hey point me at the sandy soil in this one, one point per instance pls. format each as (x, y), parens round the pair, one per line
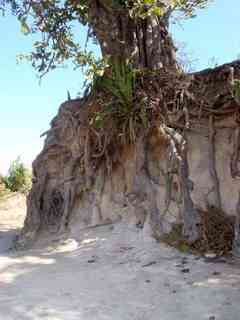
(12, 214)
(110, 273)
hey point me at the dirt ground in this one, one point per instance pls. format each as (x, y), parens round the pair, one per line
(110, 273)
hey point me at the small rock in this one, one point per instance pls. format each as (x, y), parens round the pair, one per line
(197, 258)
(182, 263)
(178, 265)
(67, 294)
(167, 284)
(148, 281)
(210, 255)
(216, 273)
(185, 270)
(149, 264)
(139, 225)
(184, 260)
(212, 318)
(214, 259)
(91, 260)
(126, 248)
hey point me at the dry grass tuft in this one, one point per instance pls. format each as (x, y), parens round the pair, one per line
(216, 230)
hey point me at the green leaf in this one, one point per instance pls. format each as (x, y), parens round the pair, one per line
(24, 27)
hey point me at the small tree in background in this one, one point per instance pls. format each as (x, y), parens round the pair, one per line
(18, 178)
(3, 189)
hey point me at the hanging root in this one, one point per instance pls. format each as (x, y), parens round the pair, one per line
(187, 117)
(55, 211)
(189, 212)
(235, 172)
(104, 147)
(87, 163)
(212, 164)
(236, 244)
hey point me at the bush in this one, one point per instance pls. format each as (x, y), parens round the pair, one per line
(19, 177)
(3, 189)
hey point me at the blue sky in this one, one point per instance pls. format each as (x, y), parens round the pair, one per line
(27, 108)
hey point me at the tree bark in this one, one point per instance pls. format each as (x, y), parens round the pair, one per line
(146, 43)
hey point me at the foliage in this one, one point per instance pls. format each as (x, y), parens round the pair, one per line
(18, 178)
(120, 83)
(54, 20)
(126, 113)
(146, 8)
(3, 189)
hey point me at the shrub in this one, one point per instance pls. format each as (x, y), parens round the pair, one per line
(18, 178)
(3, 189)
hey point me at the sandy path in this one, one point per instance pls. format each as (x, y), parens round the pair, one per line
(12, 213)
(114, 274)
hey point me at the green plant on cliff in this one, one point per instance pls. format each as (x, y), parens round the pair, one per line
(121, 84)
(127, 112)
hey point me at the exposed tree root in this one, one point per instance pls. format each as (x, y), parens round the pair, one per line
(235, 171)
(236, 244)
(212, 164)
(189, 212)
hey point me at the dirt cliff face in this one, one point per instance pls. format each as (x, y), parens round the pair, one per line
(168, 175)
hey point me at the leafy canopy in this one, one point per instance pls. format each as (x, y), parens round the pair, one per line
(54, 20)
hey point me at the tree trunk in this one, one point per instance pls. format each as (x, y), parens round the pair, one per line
(144, 42)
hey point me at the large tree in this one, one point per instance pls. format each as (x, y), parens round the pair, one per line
(136, 31)
(141, 96)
